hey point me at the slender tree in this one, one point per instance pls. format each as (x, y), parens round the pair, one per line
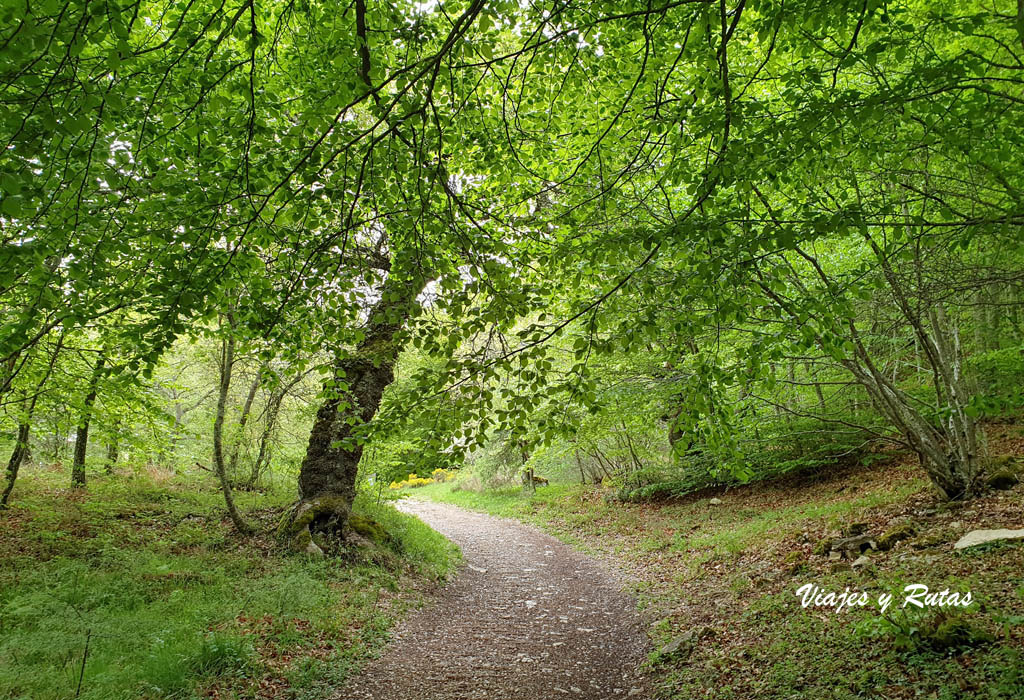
(82, 429)
(225, 366)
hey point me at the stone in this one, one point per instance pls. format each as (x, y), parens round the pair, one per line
(822, 547)
(715, 502)
(903, 531)
(793, 557)
(861, 561)
(854, 545)
(685, 642)
(976, 537)
(1002, 480)
(369, 528)
(698, 633)
(854, 529)
(675, 645)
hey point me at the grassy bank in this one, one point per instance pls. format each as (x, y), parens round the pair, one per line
(138, 588)
(717, 582)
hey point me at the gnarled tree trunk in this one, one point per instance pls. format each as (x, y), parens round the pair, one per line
(327, 478)
(950, 450)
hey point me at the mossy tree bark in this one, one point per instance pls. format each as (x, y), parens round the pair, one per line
(14, 464)
(327, 478)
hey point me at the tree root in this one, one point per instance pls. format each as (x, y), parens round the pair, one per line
(315, 526)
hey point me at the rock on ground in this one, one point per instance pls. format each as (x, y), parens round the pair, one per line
(976, 537)
(525, 618)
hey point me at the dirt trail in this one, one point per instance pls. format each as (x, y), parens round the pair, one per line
(526, 617)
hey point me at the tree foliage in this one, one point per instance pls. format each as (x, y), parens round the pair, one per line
(583, 218)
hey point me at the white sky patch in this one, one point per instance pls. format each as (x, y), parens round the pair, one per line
(425, 7)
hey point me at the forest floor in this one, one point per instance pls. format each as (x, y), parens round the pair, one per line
(527, 618)
(717, 581)
(139, 588)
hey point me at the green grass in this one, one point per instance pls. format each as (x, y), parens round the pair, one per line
(560, 508)
(171, 603)
(509, 502)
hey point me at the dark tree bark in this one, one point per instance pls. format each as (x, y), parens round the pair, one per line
(327, 469)
(14, 464)
(327, 478)
(227, 362)
(82, 432)
(22, 444)
(579, 465)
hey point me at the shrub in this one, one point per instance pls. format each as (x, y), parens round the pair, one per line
(939, 631)
(411, 481)
(442, 475)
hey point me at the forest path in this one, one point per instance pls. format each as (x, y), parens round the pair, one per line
(526, 617)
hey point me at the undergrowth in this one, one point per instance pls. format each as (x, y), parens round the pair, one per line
(139, 589)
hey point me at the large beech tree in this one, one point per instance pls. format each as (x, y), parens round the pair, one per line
(351, 179)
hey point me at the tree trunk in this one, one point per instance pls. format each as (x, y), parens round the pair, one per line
(994, 317)
(14, 464)
(528, 476)
(226, 364)
(949, 454)
(327, 478)
(1012, 293)
(579, 465)
(813, 378)
(112, 455)
(82, 432)
(263, 455)
(272, 412)
(22, 444)
(59, 442)
(176, 429)
(239, 432)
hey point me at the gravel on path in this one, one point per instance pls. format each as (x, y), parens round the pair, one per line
(526, 617)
